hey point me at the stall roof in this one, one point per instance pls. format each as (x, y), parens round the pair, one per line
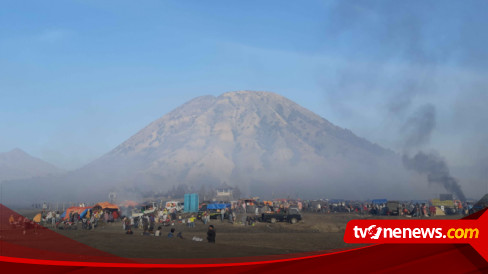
(105, 205)
(217, 206)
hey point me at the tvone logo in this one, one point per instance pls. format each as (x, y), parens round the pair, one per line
(373, 232)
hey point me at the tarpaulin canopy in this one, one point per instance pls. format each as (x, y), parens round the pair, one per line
(379, 201)
(74, 209)
(107, 205)
(218, 206)
(86, 213)
(439, 212)
(37, 218)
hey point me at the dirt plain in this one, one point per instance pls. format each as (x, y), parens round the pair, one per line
(316, 232)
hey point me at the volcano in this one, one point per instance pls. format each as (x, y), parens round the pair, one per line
(261, 142)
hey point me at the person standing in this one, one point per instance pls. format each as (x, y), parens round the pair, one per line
(204, 217)
(127, 223)
(191, 221)
(93, 221)
(211, 234)
(231, 219)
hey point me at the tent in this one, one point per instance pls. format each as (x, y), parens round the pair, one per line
(74, 209)
(218, 206)
(106, 205)
(379, 201)
(37, 218)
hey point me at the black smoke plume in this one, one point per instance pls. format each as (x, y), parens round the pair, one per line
(418, 129)
(436, 170)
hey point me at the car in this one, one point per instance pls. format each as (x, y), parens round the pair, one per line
(291, 215)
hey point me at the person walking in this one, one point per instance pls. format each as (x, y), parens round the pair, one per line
(211, 234)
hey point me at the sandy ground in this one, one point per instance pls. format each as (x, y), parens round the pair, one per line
(315, 233)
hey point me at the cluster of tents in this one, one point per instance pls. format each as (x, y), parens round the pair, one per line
(86, 211)
(82, 212)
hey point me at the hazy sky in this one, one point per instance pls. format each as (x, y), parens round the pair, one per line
(77, 78)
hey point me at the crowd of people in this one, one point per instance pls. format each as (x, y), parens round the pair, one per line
(23, 223)
(406, 208)
(152, 221)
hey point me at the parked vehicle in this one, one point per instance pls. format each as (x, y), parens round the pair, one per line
(178, 206)
(292, 215)
(214, 210)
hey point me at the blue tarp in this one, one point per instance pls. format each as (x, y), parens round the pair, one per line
(379, 201)
(218, 206)
(83, 214)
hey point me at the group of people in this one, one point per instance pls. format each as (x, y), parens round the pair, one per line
(414, 209)
(211, 234)
(22, 223)
(222, 214)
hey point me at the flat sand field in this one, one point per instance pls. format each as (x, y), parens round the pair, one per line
(317, 232)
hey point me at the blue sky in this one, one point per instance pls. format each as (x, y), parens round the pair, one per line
(77, 78)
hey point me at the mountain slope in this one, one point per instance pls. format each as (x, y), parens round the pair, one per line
(241, 138)
(261, 142)
(16, 164)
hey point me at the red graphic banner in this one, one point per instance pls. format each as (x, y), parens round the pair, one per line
(43, 250)
(473, 232)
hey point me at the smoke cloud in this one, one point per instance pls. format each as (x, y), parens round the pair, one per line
(415, 72)
(419, 126)
(418, 129)
(436, 170)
